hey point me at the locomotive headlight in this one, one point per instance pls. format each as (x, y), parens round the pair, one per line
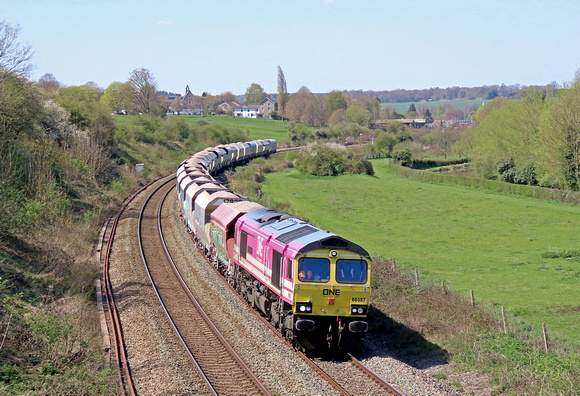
(358, 310)
(304, 307)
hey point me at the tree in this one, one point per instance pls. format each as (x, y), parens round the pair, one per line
(561, 136)
(282, 92)
(14, 57)
(297, 104)
(384, 143)
(371, 104)
(358, 114)
(48, 82)
(412, 112)
(316, 112)
(227, 96)
(81, 102)
(396, 127)
(20, 108)
(335, 101)
(117, 96)
(143, 89)
(320, 160)
(255, 94)
(177, 104)
(337, 117)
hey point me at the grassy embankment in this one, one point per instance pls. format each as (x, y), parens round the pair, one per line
(490, 243)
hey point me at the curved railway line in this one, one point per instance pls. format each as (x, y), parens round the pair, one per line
(222, 370)
(204, 344)
(183, 311)
(338, 374)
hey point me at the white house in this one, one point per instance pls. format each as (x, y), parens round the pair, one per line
(247, 111)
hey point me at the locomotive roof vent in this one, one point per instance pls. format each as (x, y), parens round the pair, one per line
(334, 243)
(271, 215)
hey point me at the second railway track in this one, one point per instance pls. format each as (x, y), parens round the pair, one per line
(159, 364)
(225, 372)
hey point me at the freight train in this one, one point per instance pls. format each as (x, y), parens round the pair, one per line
(311, 284)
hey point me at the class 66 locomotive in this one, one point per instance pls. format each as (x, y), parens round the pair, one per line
(311, 284)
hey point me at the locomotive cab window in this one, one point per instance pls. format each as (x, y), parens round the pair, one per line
(313, 269)
(351, 271)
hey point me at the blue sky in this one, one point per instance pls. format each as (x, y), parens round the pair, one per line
(218, 46)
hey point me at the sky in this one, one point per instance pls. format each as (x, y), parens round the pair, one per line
(219, 46)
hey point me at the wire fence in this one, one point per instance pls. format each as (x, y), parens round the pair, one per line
(537, 335)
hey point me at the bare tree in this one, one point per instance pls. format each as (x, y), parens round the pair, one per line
(14, 57)
(48, 82)
(144, 89)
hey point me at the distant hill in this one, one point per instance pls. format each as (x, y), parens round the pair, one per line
(486, 92)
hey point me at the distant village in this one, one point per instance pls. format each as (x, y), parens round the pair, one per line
(189, 104)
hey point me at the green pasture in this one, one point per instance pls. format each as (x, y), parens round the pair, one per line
(403, 107)
(483, 241)
(260, 128)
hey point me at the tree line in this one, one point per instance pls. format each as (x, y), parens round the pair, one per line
(514, 91)
(533, 141)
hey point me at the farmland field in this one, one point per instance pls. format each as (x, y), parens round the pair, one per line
(487, 242)
(259, 128)
(403, 107)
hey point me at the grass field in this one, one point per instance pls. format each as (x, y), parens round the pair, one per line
(403, 107)
(475, 240)
(259, 128)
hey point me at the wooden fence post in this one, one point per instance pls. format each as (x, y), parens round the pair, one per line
(472, 297)
(546, 348)
(416, 277)
(504, 319)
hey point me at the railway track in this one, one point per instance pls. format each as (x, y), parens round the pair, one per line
(340, 375)
(224, 371)
(350, 377)
(116, 330)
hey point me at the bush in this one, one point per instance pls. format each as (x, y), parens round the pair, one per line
(403, 156)
(300, 134)
(322, 160)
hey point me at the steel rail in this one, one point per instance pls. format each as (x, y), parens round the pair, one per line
(122, 361)
(206, 380)
(303, 356)
(374, 376)
(206, 318)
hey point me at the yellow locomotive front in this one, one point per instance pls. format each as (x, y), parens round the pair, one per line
(331, 297)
